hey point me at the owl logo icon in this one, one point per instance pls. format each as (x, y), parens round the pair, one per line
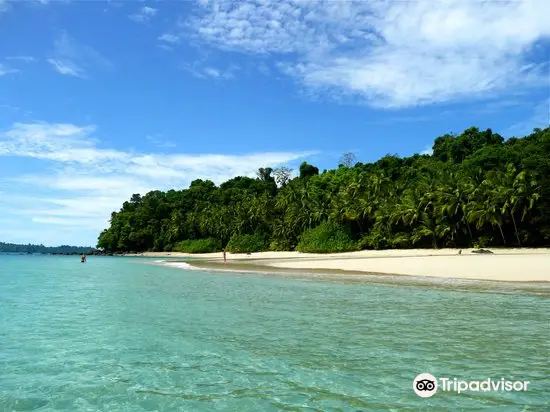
(425, 385)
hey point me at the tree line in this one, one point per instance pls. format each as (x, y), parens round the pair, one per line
(475, 190)
(30, 248)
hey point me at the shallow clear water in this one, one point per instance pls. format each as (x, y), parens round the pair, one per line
(118, 334)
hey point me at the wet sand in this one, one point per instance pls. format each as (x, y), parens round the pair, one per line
(509, 265)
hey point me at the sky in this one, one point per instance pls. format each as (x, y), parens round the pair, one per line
(103, 99)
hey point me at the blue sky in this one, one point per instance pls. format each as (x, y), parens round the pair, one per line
(99, 100)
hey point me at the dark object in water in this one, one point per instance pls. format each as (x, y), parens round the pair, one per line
(83, 259)
(486, 251)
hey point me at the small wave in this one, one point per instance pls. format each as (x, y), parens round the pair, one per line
(181, 265)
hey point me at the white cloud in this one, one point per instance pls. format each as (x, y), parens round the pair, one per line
(81, 183)
(10, 107)
(389, 54)
(144, 14)
(71, 58)
(167, 41)
(4, 5)
(407, 119)
(67, 68)
(263, 69)
(158, 141)
(26, 59)
(540, 118)
(63, 221)
(6, 70)
(200, 71)
(64, 143)
(210, 71)
(169, 38)
(16, 109)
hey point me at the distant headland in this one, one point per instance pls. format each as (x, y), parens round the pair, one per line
(49, 250)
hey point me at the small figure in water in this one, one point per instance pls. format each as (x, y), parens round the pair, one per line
(83, 259)
(224, 255)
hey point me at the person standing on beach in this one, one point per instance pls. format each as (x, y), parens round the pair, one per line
(224, 255)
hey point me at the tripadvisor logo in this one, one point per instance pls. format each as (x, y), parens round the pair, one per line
(426, 385)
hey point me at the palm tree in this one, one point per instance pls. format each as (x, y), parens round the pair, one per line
(521, 195)
(453, 195)
(410, 208)
(429, 226)
(487, 212)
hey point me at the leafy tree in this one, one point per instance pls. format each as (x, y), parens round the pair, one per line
(207, 245)
(247, 243)
(348, 159)
(282, 175)
(307, 170)
(264, 174)
(325, 238)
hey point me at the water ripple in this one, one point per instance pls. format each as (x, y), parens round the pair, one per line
(113, 335)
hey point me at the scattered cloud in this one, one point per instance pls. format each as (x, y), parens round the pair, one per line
(6, 70)
(201, 71)
(498, 106)
(67, 68)
(210, 71)
(388, 54)
(4, 6)
(164, 46)
(168, 41)
(169, 38)
(71, 58)
(263, 69)
(144, 14)
(80, 182)
(540, 118)
(13, 60)
(407, 119)
(158, 141)
(45, 2)
(16, 110)
(9, 107)
(26, 59)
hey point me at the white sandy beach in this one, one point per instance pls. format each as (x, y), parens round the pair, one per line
(512, 265)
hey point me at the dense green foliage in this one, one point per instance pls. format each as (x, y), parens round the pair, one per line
(247, 243)
(475, 190)
(325, 238)
(207, 245)
(16, 248)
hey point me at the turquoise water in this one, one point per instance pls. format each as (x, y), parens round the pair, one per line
(118, 334)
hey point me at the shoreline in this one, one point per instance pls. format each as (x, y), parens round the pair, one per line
(503, 265)
(541, 289)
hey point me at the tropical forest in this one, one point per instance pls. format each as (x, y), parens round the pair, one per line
(476, 189)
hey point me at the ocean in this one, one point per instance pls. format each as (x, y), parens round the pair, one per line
(123, 334)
